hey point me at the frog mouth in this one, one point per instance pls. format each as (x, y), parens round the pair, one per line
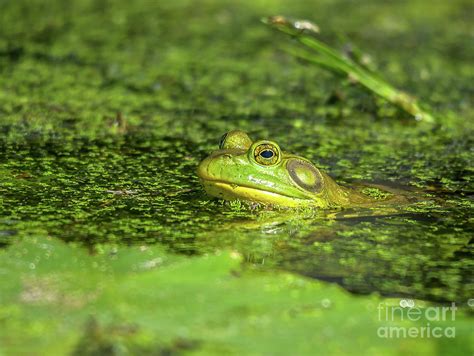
(232, 191)
(212, 183)
(234, 187)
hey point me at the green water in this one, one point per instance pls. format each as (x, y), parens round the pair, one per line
(107, 107)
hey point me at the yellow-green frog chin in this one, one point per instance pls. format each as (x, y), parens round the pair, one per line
(260, 172)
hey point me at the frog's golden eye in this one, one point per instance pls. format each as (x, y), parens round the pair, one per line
(235, 139)
(267, 154)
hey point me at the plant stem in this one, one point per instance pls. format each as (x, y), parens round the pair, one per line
(323, 55)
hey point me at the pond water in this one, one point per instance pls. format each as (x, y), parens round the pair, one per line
(140, 188)
(102, 127)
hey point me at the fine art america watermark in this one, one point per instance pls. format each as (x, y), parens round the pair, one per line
(407, 311)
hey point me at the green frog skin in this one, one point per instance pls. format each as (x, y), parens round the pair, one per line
(260, 172)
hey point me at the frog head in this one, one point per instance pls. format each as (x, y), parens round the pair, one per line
(259, 171)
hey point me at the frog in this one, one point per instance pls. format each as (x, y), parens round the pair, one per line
(261, 172)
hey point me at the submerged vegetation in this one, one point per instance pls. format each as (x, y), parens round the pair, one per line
(109, 241)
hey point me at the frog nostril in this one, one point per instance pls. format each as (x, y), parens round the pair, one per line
(227, 155)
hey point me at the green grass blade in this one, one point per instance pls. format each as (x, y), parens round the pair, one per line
(324, 56)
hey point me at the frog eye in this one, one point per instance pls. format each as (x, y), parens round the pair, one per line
(222, 141)
(235, 139)
(305, 175)
(267, 154)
